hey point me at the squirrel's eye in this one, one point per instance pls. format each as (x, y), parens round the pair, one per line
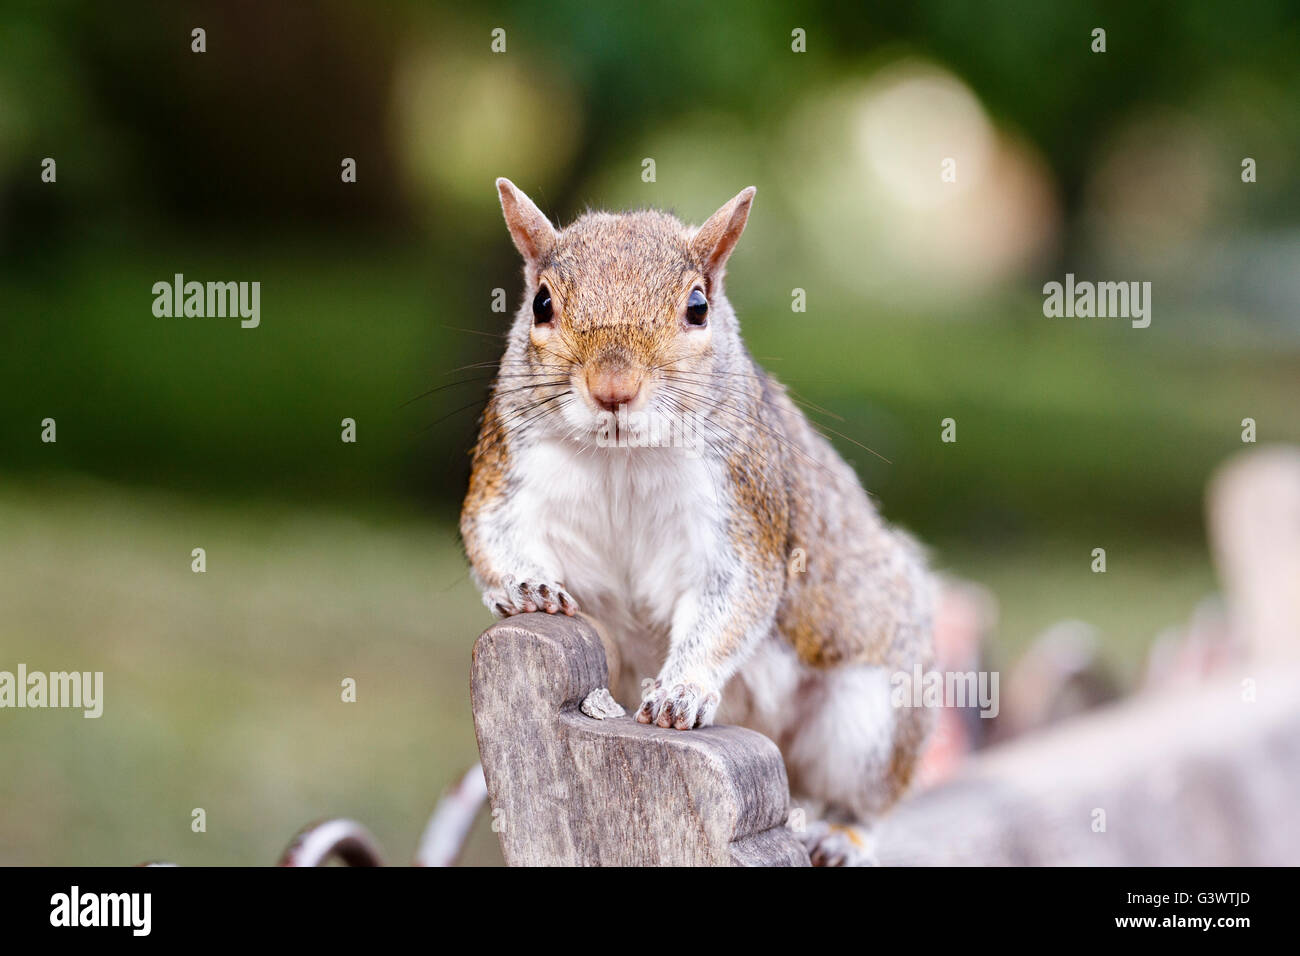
(697, 308)
(542, 312)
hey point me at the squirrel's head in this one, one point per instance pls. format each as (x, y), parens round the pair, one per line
(618, 306)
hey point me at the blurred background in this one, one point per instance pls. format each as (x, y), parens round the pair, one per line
(328, 560)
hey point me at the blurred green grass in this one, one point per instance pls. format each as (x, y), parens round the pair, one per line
(222, 689)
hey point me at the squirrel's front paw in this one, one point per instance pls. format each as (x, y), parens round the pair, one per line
(524, 597)
(680, 704)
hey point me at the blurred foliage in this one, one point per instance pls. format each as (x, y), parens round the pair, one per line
(225, 166)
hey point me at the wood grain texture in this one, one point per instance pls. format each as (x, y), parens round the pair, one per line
(570, 790)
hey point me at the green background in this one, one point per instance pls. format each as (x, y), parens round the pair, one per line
(329, 560)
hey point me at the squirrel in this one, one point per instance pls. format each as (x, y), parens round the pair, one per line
(749, 573)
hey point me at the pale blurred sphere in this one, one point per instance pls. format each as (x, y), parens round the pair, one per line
(911, 117)
(905, 189)
(461, 121)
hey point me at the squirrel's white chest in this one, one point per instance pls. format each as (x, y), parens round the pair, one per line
(629, 529)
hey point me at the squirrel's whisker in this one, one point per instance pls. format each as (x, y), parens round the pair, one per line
(492, 335)
(744, 416)
(465, 408)
(704, 378)
(467, 381)
(511, 425)
(819, 425)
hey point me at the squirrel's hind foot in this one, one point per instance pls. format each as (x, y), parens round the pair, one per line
(838, 844)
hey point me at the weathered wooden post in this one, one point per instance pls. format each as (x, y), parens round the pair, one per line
(567, 789)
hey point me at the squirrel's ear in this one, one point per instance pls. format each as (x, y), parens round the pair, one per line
(531, 230)
(717, 237)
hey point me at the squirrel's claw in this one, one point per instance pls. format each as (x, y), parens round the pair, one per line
(682, 705)
(525, 597)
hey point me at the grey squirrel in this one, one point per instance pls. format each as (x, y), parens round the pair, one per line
(749, 573)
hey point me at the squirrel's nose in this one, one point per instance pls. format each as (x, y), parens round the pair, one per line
(610, 389)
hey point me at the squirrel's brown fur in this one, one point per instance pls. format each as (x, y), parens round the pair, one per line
(751, 561)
